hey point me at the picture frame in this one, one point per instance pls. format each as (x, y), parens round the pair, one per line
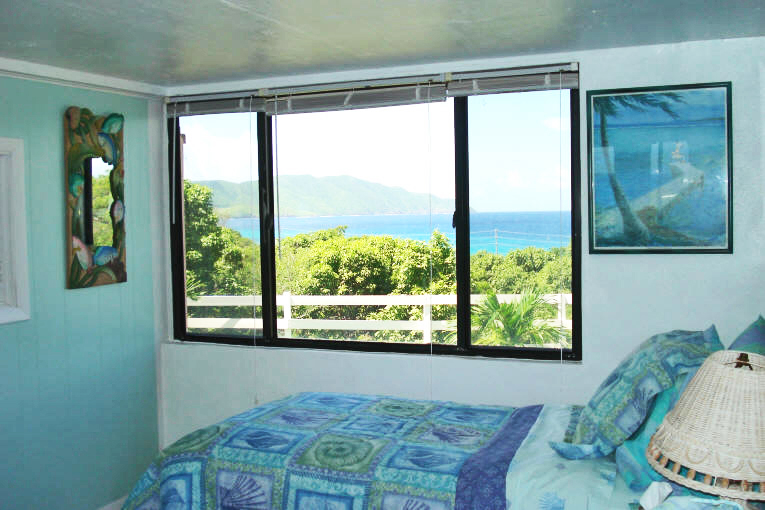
(660, 169)
(94, 167)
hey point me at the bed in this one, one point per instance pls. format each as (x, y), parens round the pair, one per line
(344, 452)
(339, 451)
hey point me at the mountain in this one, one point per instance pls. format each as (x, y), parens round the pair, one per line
(305, 195)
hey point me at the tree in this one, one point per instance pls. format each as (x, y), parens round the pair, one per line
(514, 323)
(610, 106)
(555, 275)
(218, 259)
(102, 221)
(328, 263)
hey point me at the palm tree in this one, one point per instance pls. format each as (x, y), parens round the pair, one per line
(610, 106)
(514, 323)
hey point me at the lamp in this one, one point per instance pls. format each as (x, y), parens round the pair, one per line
(713, 440)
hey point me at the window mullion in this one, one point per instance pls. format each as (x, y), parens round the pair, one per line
(462, 221)
(267, 243)
(177, 238)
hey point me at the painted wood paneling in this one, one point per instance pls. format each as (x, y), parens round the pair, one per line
(78, 403)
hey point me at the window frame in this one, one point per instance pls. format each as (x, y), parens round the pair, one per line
(15, 304)
(461, 219)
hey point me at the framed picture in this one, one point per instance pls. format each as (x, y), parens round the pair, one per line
(660, 168)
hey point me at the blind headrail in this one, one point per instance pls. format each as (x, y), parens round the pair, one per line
(382, 92)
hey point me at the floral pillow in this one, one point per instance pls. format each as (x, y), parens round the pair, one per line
(752, 339)
(623, 400)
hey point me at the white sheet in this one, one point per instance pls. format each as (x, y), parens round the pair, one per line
(540, 479)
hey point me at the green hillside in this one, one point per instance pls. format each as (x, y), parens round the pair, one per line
(305, 195)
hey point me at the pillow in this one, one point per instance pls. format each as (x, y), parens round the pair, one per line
(631, 461)
(624, 399)
(752, 339)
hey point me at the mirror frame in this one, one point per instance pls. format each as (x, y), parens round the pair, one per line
(88, 136)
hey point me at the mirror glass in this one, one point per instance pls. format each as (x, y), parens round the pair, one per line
(98, 199)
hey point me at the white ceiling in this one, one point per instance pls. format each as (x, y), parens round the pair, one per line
(181, 42)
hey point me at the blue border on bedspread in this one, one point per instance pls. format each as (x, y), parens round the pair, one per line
(481, 482)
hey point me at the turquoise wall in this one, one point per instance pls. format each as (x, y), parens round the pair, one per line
(78, 403)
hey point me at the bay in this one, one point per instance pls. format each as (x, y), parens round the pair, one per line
(495, 232)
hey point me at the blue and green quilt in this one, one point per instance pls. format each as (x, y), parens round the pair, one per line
(331, 451)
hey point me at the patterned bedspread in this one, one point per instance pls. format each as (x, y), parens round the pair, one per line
(330, 451)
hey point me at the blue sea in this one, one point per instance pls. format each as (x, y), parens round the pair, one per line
(496, 232)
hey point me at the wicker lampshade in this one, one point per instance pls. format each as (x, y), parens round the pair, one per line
(713, 440)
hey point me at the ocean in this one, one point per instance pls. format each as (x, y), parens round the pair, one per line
(495, 232)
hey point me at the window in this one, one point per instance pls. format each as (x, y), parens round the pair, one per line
(364, 264)
(220, 226)
(439, 217)
(520, 241)
(14, 278)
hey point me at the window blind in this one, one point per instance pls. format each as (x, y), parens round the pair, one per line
(356, 99)
(220, 105)
(467, 86)
(377, 93)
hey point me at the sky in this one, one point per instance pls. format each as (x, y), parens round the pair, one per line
(517, 148)
(99, 167)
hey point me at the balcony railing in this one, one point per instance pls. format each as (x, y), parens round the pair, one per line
(287, 323)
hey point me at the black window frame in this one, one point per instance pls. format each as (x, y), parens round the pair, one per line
(461, 220)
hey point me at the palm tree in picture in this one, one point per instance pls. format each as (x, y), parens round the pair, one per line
(519, 322)
(612, 106)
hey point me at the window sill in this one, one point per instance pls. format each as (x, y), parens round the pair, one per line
(516, 353)
(9, 314)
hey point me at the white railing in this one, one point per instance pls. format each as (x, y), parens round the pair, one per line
(288, 323)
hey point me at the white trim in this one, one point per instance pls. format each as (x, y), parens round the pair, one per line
(160, 234)
(15, 305)
(80, 79)
(114, 505)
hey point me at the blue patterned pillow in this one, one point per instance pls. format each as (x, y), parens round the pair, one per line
(623, 400)
(631, 462)
(752, 339)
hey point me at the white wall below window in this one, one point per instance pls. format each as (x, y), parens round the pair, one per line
(625, 298)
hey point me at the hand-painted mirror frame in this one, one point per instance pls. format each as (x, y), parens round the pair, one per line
(87, 136)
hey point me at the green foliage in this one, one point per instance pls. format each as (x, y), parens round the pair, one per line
(514, 323)
(555, 275)
(548, 271)
(102, 221)
(219, 261)
(328, 263)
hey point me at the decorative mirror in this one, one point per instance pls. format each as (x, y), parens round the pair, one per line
(95, 198)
